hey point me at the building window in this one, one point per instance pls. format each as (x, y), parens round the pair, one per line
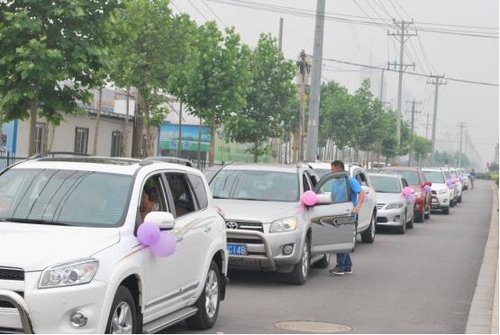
(81, 139)
(116, 144)
(41, 138)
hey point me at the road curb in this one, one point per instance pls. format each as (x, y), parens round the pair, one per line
(483, 313)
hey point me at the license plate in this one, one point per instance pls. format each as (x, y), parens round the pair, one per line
(237, 249)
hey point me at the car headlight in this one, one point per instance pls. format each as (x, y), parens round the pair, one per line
(69, 274)
(284, 224)
(394, 205)
(443, 191)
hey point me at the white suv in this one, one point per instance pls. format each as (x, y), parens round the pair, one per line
(70, 259)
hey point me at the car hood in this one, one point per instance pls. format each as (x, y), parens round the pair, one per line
(34, 247)
(438, 186)
(263, 211)
(385, 198)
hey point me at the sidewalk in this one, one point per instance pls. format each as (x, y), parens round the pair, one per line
(483, 313)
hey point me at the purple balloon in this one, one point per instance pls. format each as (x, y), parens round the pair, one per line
(411, 198)
(165, 246)
(450, 183)
(427, 188)
(407, 190)
(148, 233)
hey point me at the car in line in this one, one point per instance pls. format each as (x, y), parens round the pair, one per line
(416, 180)
(71, 260)
(442, 195)
(454, 185)
(269, 227)
(367, 217)
(393, 209)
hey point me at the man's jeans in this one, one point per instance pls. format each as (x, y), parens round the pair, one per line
(344, 261)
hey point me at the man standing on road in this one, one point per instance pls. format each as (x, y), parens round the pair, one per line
(344, 263)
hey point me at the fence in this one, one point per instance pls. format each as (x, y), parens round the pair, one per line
(7, 159)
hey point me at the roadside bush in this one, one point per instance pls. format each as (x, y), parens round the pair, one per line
(483, 175)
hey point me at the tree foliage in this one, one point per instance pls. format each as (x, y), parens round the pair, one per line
(270, 98)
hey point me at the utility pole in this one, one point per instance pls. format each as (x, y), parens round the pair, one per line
(436, 81)
(413, 112)
(427, 125)
(403, 34)
(304, 69)
(278, 141)
(382, 86)
(312, 131)
(461, 125)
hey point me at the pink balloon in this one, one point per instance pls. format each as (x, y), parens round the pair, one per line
(407, 190)
(309, 198)
(427, 188)
(165, 246)
(148, 233)
(411, 198)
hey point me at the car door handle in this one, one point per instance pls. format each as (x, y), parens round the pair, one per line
(208, 228)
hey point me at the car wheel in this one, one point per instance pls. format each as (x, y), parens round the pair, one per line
(368, 236)
(460, 199)
(123, 316)
(420, 217)
(323, 263)
(301, 270)
(452, 203)
(402, 228)
(208, 302)
(446, 210)
(409, 224)
(428, 213)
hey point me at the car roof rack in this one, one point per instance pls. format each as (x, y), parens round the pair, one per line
(59, 153)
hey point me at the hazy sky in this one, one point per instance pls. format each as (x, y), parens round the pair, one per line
(356, 31)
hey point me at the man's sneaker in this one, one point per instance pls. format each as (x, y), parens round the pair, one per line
(348, 271)
(337, 271)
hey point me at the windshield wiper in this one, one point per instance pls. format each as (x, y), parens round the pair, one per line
(217, 197)
(21, 220)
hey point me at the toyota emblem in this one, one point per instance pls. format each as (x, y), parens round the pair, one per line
(232, 225)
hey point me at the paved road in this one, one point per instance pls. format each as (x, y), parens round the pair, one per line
(420, 282)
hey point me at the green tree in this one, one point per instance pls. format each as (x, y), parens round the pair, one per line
(269, 100)
(218, 84)
(422, 147)
(339, 119)
(150, 46)
(50, 53)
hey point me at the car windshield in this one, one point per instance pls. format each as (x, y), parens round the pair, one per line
(434, 176)
(256, 185)
(322, 172)
(410, 176)
(64, 197)
(385, 184)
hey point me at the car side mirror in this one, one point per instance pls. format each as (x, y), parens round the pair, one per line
(164, 220)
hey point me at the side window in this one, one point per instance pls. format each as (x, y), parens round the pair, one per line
(404, 182)
(152, 197)
(199, 190)
(181, 194)
(362, 179)
(314, 178)
(305, 182)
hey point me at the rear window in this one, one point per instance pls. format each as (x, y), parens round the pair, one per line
(434, 176)
(411, 177)
(384, 184)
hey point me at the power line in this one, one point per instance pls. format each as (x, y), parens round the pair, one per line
(214, 13)
(411, 73)
(199, 11)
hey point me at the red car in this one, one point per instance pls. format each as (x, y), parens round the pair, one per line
(416, 179)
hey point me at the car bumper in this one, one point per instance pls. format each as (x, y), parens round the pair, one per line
(49, 310)
(265, 251)
(390, 217)
(440, 201)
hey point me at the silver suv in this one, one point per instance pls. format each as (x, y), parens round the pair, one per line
(268, 227)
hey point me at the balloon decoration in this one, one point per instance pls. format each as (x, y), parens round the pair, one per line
(161, 244)
(411, 198)
(450, 183)
(309, 198)
(407, 191)
(427, 189)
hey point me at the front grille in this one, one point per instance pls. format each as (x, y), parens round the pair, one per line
(5, 304)
(246, 240)
(380, 205)
(245, 225)
(434, 192)
(381, 219)
(11, 274)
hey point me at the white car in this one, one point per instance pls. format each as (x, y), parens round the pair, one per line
(393, 209)
(367, 217)
(441, 194)
(70, 258)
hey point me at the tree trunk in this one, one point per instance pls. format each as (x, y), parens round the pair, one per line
(198, 155)
(32, 134)
(137, 136)
(211, 155)
(97, 120)
(256, 152)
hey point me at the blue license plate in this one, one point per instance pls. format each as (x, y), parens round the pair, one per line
(237, 249)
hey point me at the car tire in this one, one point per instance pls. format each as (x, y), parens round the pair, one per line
(402, 228)
(300, 271)
(421, 217)
(368, 236)
(355, 238)
(460, 199)
(323, 263)
(446, 211)
(427, 215)
(452, 203)
(208, 302)
(409, 224)
(123, 315)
